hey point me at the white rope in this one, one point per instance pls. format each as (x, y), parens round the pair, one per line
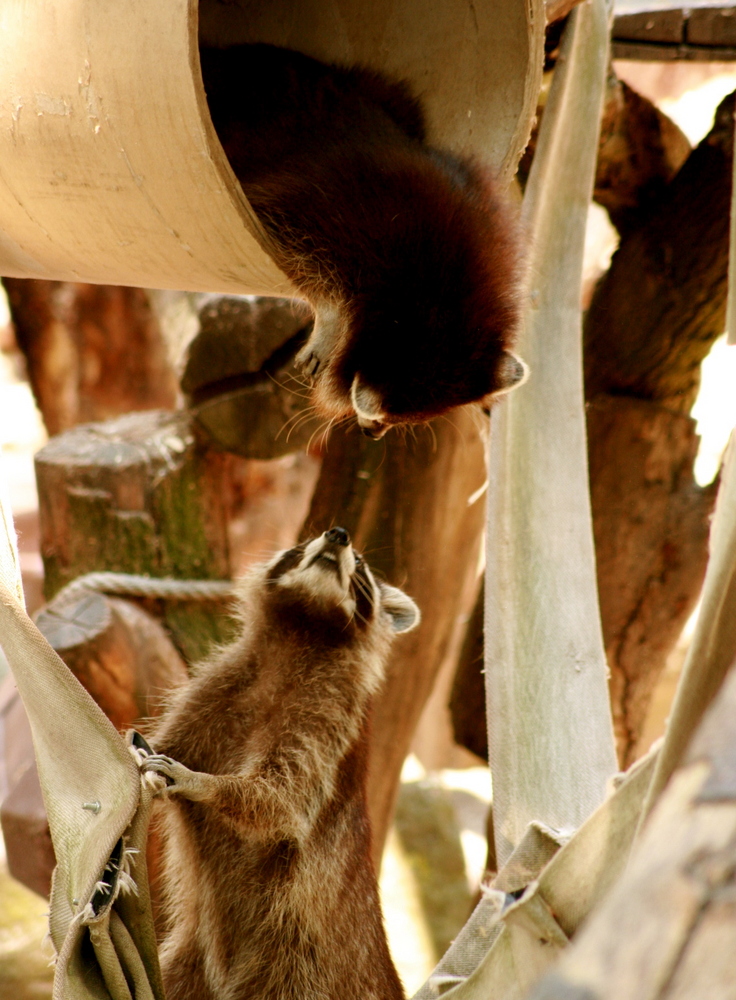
(135, 585)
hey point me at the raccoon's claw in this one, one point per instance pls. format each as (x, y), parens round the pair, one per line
(165, 767)
(193, 785)
(311, 363)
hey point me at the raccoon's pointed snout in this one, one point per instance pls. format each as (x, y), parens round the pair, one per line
(338, 535)
(374, 430)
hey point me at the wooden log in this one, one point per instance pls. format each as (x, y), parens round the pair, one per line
(239, 376)
(468, 696)
(640, 149)
(92, 351)
(699, 32)
(406, 503)
(639, 153)
(138, 495)
(652, 320)
(650, 524)
(117, 651)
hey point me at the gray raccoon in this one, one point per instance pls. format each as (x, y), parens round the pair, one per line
(268, 879)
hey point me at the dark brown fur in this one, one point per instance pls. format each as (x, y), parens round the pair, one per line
(268, 874)
(407, 253)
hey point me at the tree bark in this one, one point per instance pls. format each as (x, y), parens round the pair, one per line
(468, 695)
(406, 505)
(653, 318)
(117, 651)
(138, 495)
(650, 524)
(640, 152)
(657, 311)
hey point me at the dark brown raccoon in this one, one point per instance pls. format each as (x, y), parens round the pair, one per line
(408, 254)
(270, 888)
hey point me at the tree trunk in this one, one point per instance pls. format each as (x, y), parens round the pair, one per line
(640, 152)
(93, 351)
(138, 495)
(406, 505)
(650, 524)
(653, 318)
(657, 311)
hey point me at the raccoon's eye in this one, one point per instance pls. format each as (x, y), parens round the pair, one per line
(358, 559)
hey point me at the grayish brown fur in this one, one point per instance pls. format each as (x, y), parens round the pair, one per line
(270, 888)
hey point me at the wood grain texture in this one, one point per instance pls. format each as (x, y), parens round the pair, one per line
(405, 502)
(138, 495)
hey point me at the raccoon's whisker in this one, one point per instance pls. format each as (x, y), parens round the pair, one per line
(298, 424)
(325, 427)
(455, 427)
(339, 421)
(292, 419)
(357, 614)
(326, 433)
(298, 419)
(359, 585)
(301, 378)
(288, 388)
(430, 428)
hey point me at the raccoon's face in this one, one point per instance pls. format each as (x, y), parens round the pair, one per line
(432, 312)
(411, 382)
(327, 578)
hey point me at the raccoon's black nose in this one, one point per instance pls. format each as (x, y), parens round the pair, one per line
(373, 430)
(338, 535)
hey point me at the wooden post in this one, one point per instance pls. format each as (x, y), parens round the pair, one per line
(138, 495)
(412, 505)
(92, 351)
(120, 654)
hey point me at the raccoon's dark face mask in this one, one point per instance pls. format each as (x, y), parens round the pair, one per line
(334, 576)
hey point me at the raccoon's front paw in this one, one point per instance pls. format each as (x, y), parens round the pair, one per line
(178, 778)
(309, 361)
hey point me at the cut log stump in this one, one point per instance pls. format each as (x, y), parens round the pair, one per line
(235, 358)
(141, 495)
(118, 652)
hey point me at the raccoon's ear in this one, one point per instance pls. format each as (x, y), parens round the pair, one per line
(510, 372)
(401, 610)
